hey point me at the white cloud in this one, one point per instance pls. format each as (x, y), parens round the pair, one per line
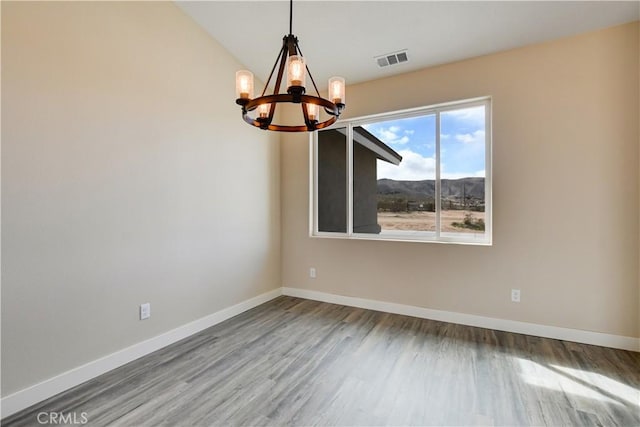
(445, 136)
(390, 135)
(409, 132)
(473, 114)
(413, 167)
(470, 138)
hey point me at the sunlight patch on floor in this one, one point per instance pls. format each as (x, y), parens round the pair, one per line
(578, 383)
(614, 387)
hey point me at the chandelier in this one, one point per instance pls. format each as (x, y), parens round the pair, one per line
(259, 112)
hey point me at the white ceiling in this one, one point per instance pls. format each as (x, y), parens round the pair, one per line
(342, 38)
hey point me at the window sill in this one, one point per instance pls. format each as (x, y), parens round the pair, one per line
(409, 237)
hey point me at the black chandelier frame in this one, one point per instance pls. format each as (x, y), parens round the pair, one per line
(295, 94)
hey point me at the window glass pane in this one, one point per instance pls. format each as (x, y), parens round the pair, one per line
(462, 171)
(394, 177)
(332, 180)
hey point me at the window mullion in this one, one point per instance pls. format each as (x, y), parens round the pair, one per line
(350, 180)
(313, 187)
(437, 186)
(488, 175)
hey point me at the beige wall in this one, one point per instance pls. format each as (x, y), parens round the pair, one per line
(565, 188)
(128, 176)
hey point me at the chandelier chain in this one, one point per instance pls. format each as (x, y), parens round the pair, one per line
(290, 16)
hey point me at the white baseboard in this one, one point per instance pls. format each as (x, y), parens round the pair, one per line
(566, 334)
(24, 398)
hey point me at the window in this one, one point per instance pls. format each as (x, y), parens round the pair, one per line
(415, 175)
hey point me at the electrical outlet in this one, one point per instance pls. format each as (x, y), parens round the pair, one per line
(145, 311)
(312, 273)
(515, 295)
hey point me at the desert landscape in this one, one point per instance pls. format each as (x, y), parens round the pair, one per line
(426, 221)
(410, 205)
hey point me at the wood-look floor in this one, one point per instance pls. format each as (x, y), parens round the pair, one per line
(299, 362)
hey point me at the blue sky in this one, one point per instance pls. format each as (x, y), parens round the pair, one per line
(462, 150)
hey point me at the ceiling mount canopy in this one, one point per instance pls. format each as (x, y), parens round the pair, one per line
(259, 112)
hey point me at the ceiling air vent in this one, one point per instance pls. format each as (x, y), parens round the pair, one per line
(394, 58)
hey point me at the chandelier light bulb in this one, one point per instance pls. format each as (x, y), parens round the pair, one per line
(263, 110)
(296, 71)
(337, 90)
(313, 110)
(244, 84)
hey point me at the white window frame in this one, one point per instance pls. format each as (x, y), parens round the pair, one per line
(427, 237)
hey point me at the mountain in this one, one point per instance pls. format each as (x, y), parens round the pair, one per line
(450, 188)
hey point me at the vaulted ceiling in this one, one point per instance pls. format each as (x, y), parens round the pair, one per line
(344, 38)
